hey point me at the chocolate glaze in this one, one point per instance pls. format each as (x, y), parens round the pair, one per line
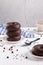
(14, 33)
(38, 50)
(13, 26)
(17, 38)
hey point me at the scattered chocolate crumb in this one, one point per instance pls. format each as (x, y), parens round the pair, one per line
(16, 49)
(12, 52)
(0, 40)
(11, 47)
(7, 57)
(26, 57)
(4, 48)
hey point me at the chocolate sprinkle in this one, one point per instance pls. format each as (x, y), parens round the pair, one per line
(16, 49)
(7, 57)
(4, 48)
(26, 57)
(11, 47)
(12, 52)
(0, 40)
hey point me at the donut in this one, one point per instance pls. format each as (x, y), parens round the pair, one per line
(13, 26)
(14, 33)
(17, 38)
(38, 50)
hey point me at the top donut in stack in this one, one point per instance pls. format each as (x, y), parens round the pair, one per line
(13, 31)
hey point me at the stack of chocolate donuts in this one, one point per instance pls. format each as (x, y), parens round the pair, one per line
(13, 31)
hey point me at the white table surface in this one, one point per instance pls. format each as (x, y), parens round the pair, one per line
(21, 51)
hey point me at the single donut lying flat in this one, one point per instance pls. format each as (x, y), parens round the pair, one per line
(38, 50)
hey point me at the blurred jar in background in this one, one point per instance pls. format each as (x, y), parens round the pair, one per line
(39, 26)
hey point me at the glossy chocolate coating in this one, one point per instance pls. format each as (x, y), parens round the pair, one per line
(38, 50)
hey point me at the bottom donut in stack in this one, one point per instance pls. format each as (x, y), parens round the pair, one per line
(38, 50)
(13, 31)
(16, 38)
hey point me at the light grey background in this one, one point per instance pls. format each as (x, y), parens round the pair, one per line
(27, 12)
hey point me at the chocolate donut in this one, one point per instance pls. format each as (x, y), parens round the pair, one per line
(13, 26)
(17, 38)
(14, 33)
(38, 50)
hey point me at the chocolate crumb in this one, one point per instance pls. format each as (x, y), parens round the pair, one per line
(4, 48)
(0, 40)
(26, 57)
(16, 49)
(11, 47)
(12, 52)
(7, 57)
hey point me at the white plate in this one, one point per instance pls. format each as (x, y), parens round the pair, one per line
(33, 57)
(20, 42)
